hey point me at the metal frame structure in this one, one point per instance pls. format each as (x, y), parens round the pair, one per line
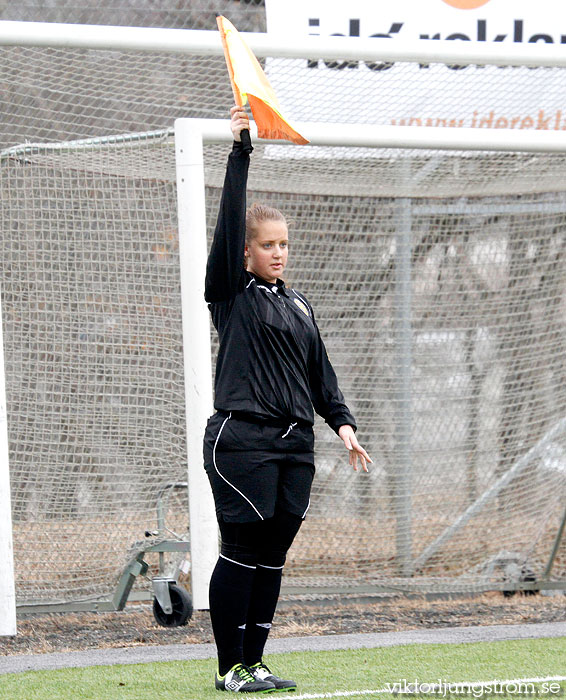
(191, 135)
(160, 541)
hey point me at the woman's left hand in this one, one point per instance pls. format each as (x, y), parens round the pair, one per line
(346, 432)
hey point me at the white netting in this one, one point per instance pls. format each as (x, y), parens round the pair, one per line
(479, 383)
(51, 94)
(91, 312)
(459, 400)
(94, 362)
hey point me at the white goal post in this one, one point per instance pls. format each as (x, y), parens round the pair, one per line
(7, 587)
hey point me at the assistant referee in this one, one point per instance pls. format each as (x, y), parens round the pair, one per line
(272, 369)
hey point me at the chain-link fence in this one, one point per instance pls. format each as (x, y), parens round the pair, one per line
(456, 382)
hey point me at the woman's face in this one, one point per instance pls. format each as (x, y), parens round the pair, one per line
(266, 254)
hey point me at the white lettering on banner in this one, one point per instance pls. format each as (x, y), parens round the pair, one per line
(421, 94)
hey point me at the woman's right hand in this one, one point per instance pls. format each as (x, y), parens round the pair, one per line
(239, 121)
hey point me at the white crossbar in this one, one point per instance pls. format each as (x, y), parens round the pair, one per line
(203, 42)
(385, 136)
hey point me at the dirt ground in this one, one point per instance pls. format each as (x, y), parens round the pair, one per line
(136, 626)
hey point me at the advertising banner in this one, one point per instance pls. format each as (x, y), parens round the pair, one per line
(422, 94)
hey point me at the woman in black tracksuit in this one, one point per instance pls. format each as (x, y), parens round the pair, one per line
(272, 368)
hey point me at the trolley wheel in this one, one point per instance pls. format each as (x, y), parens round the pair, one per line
(182, 608)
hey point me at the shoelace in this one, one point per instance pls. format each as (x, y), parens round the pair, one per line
(244, 673)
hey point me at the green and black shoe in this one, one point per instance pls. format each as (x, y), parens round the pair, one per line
(262, 673)
(240, 679)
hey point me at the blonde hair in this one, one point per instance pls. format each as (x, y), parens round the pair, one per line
(256, 215)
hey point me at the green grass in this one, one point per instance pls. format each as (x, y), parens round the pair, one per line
(315, 672)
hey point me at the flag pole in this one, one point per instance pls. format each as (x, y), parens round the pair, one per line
(245, 133)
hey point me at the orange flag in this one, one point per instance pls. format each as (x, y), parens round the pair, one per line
(250, 83)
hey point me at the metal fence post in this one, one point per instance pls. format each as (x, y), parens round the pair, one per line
(403, 398)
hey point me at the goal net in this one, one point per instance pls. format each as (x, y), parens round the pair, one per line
(438, 280)
(452, 369)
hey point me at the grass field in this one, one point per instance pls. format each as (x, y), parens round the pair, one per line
(540, 664)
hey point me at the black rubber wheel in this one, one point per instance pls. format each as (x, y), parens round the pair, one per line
(182, 608)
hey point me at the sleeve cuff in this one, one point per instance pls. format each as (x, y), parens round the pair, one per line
(336, 422)
(238, 148)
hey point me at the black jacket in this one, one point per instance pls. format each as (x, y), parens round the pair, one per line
(272, 363)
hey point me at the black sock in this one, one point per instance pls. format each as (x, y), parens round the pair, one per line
(265, 593)
(279, 533)
(230, 591)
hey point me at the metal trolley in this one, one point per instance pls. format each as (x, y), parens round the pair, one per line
(172, 604)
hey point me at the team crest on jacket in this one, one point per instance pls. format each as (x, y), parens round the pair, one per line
(301, 306)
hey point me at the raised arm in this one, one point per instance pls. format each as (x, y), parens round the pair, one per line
(225, 266)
